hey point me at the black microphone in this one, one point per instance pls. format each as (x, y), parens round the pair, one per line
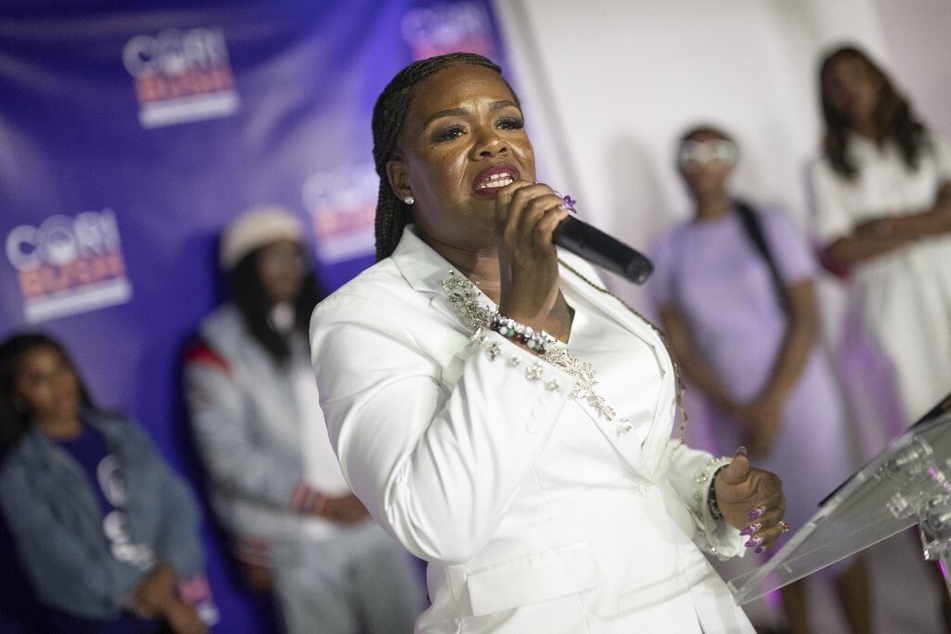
(599, 248)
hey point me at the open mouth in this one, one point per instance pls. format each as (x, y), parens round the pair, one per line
(491, 179)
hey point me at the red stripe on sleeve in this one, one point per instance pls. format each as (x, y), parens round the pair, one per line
(201, 352)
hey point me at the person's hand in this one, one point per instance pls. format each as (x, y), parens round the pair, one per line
(182, 618)
(526, 216)
(347, 509)
(257, 576)
(752, 501)
(155, 590)
(762, 421)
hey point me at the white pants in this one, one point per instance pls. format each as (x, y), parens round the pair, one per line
(358, 581)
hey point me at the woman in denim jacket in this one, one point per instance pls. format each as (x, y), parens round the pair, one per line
(106, 532)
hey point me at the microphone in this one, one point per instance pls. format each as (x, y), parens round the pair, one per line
(599, 248)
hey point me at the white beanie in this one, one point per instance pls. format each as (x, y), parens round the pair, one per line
(255, 228)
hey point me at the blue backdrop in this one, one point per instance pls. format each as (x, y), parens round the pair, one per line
(132, 133)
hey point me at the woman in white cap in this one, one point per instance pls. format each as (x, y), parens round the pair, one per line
(274, 481)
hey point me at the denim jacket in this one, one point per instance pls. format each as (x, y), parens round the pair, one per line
(56, 522)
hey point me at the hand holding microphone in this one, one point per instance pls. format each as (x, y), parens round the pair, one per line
(600, 249)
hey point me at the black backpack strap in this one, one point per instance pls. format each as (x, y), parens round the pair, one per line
(754, 230)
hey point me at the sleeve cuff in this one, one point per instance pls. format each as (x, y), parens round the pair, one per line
(714, 536)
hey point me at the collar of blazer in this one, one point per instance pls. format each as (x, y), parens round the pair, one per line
(580, 277)
(424, 271)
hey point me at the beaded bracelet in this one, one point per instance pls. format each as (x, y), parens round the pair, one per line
(511, 329)
(712, 498)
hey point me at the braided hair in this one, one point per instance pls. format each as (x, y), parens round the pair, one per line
(894, 117)
(389, 115)
(249, 295)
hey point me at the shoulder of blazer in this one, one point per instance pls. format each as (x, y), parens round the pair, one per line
(402, 286)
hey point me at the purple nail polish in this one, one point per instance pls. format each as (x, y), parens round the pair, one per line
(759, 510)
(752, 528)
(760, 550)
(754, 542)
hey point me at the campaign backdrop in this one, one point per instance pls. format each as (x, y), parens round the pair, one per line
(131, 133)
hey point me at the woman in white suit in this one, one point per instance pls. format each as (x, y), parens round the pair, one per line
(499, 412)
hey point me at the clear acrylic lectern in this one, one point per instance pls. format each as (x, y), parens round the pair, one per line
(909, 483)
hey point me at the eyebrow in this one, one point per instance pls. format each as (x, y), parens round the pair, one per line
(458, 112)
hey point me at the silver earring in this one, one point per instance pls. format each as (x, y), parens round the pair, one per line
(409, 200)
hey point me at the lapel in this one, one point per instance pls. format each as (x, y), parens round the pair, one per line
(646, 455)
(424, 271)
(63, 477)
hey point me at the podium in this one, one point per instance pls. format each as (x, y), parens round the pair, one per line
(909, 483)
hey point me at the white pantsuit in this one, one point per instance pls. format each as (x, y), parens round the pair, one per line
(536, 511)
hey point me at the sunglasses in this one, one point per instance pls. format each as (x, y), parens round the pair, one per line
(695, 155)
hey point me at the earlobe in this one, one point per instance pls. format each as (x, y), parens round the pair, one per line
(396, 175)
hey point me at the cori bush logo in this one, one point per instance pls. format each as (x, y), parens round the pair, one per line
(181, 76)
(68, 265)
(342, 207)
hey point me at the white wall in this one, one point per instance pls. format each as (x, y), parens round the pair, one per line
(918, 37)
(608, 85)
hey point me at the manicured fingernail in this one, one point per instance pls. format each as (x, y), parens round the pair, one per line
(754, 542)
(752, 528)
(759, 510)
(760, 550)
(740, 452)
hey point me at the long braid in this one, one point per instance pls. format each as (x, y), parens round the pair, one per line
(389, 114)
(391, 216)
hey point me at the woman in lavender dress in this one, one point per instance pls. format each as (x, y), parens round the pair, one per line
(744, 327)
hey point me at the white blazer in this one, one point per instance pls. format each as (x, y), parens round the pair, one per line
(528, 526)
